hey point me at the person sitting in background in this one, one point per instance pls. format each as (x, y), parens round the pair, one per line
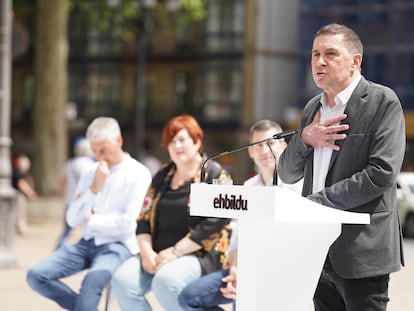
(72, 171)
(175, 248)
(23, 182)
(219, 287)
(107, 202)
(150, 160)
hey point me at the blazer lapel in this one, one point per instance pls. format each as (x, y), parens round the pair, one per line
(307, 185)
(353, 111)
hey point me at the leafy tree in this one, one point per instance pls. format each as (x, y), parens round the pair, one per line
(50, 63)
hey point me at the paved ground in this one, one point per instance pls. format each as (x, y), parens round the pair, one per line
(15, 295)
(45, 225)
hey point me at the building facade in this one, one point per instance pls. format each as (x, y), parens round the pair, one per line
(226, 70)
(247, 60)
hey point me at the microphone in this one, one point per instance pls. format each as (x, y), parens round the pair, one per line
(275, 136)
(282, 135)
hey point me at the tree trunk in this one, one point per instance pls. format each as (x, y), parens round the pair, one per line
(50, 127)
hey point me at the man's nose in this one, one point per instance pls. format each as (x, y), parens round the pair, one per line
(263, 147)
(320, 60)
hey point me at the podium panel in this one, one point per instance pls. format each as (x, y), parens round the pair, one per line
(283, 241)
(280, 271)
(276, 203)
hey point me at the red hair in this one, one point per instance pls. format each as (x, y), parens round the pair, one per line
(178, 123)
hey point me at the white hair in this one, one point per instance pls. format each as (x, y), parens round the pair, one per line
(83, 148)
(103, 128)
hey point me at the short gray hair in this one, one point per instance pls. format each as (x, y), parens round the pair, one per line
(82, 148)
(103, 128)
(352, 41)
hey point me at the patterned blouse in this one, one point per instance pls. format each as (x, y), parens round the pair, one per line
(165, 216)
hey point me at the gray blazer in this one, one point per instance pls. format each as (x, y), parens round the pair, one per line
(361, 178)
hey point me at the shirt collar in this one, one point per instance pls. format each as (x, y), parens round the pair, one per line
(342, 97)
(119, 164)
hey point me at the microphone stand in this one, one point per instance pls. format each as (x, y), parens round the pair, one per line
(276, 136)
(275, 169)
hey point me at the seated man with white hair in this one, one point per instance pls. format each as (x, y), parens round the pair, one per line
(107, 203)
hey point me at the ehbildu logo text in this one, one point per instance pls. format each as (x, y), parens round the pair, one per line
(230, 202)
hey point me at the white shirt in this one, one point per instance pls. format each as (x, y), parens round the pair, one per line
(115, 207)
(322, 155)
(257, 180)
(71, 172)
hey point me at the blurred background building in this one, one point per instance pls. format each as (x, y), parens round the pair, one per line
(247, 60)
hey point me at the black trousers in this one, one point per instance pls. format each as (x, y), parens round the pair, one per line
(335, 293)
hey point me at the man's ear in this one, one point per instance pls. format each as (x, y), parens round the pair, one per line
(357, 62)
(250, 152)
(119, 140)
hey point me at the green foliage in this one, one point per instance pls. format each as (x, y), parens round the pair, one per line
(195, 8)
(101, 15)
(23, 8)
(127, 16)
(124, 16)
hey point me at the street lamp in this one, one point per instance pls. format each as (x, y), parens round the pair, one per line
(142, 39)
(7, 193)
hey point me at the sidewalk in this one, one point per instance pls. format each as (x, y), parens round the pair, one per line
(45, 225)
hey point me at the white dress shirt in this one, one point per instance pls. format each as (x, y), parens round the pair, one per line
(72, 171)
(115, 207)
(322, 155)
(257, 180)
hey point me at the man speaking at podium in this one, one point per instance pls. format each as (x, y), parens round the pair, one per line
(349, 152)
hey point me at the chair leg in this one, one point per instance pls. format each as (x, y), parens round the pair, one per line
(108, 298)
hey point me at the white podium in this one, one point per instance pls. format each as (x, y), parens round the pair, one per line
(283, 241)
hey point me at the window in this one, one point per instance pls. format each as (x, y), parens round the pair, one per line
(220, 94)
(224, 26)
(95, 89)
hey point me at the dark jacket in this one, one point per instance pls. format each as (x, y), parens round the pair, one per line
(211, 233)
(361, 178)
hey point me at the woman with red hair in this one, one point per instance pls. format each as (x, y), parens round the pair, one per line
(175, 248)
